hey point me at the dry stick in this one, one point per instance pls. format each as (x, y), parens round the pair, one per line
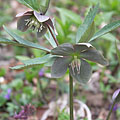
(71, 96)
(53, 36)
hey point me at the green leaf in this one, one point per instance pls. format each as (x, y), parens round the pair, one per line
(88, 34)
(84, 74)
(7, 41)
(106, 29)
(71, 15)
(64, 50)
(117, 51)
(87, 23)
(36, 5)
(95, 56)
(21, 42)
(60, 66)
(33, 62)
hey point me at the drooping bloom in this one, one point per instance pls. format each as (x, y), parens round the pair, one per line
(8, 95)
(75, 58)
(35, 21)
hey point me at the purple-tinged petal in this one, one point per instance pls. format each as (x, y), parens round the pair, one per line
(24, 13)
(60, 66)
(115, 94)
(7, 97)
(9, 91)
(22, 23)
(50, 23)
(42, 32)
(41, 73)
(41, 18)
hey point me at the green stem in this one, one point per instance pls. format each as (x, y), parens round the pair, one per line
(108, 117)
(71, 97)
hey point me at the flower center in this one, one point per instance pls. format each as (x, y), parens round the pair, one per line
(75, 64)
(34, 24)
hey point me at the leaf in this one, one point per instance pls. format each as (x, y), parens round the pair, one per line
(20, 41)
(36, 5)
(87, 23)
(106, 29)
(93, 55)
(71, 15)
(64, 50)
(88, 34)
(60, 66)
(7, 41)
(117, 51)
(33, 62)
(84, 74)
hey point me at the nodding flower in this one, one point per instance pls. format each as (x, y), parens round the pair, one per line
(76, 57)
(35, 21)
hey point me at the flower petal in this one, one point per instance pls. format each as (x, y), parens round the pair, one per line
(24, 13)
(115, 94)
(42, 32)
(93, 55)
(41, 18)
(84, 73)
(60, 66)
(22, 23)
(81, 47)
(64, 50)
(50, 23)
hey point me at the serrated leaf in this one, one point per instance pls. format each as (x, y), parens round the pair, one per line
(33, 62)
(23, 42)
(106, 29)
(36, 5)
(71, 15)
(60, 66)
(87, 22)
(95, 56)
(84, 74)
(117, 51)
(88, 34)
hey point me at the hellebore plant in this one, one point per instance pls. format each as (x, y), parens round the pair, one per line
(73, 56)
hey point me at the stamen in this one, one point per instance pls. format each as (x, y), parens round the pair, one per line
(76, 65)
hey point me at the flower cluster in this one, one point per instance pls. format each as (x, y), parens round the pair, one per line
(26, 111)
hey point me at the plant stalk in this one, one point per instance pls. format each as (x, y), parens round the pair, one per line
(71, 96)
(111, 109)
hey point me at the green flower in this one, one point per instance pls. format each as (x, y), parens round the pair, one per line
(35, 21)
(74, 57)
